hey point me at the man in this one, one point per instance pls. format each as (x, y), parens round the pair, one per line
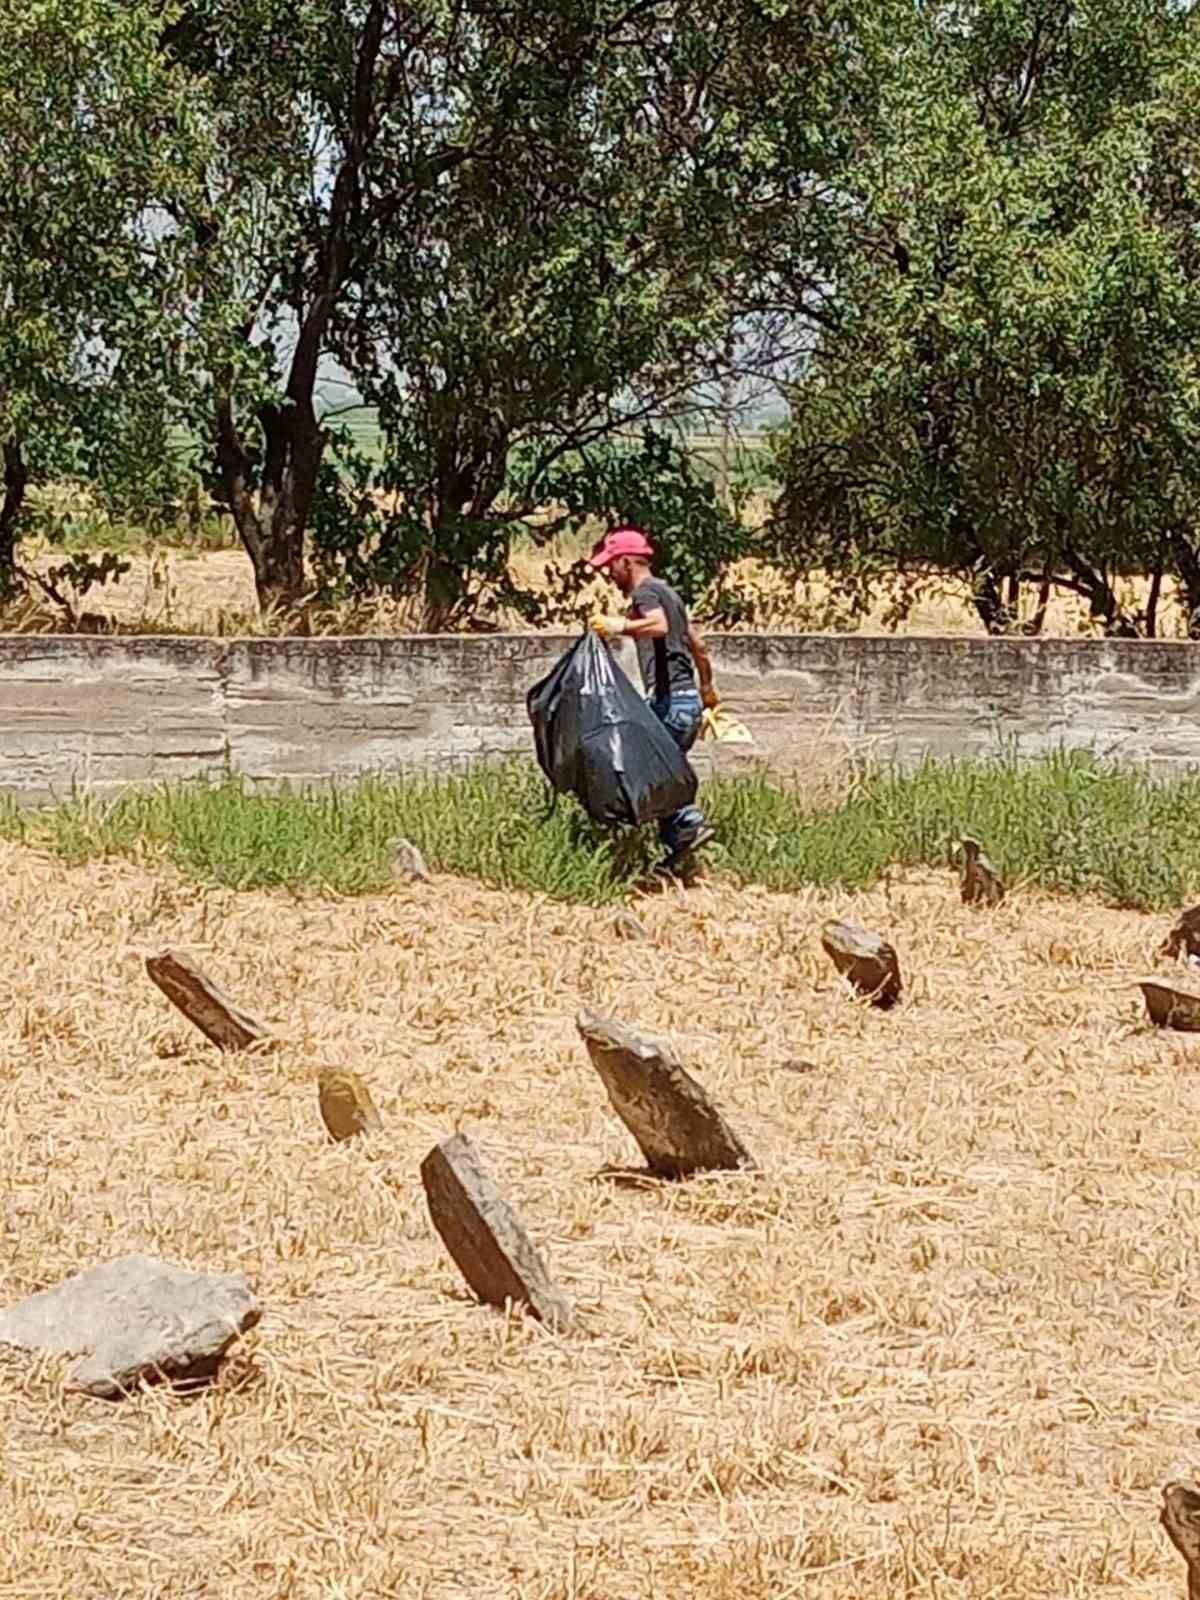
(670, 652)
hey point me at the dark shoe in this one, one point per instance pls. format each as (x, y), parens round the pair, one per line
(674, 859)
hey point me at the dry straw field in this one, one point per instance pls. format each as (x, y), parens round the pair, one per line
(213, 593)
(946, 1342)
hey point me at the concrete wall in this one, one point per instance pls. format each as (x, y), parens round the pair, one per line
(105, 712)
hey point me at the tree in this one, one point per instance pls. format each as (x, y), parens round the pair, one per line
(512, 227)
(303, 177)
(550, 296)
(94, 131)
(1004, 380)
(342, 129)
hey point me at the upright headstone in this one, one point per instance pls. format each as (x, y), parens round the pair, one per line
(346, 1105)
(979, 882)
(408, 864)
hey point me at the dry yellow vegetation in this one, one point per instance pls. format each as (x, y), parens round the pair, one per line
(213, 593)
(944, 1343)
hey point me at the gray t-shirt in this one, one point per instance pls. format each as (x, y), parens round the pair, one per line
(666, 663)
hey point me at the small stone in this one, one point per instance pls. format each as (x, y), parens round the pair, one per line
(1170, 1008)
(408, 864)
(979, 883)
(676, 1125)
(346, 1105)
(204, 1005)
(485, 1236)
(627, 926)
(134, 1318)
(798, 1066)
(868, 961)
(1184, 938)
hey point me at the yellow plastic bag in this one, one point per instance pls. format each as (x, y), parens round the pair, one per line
(717, 724)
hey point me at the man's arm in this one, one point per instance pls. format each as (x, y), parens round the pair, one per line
(700, 656)
(652, 625)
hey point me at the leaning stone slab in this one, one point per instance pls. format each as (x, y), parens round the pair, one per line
(679, 1129)
(866, 960)
(346, 1105)
(485, 1236)
(1183, 941)
(205, 1005)
(134, 1318)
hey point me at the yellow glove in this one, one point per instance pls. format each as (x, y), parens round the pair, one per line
(609, 627)
(724, 728)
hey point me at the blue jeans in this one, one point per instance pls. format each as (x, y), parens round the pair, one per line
(680, 715)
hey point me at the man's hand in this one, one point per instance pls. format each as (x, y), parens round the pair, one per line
(708, 696)
(609, 627)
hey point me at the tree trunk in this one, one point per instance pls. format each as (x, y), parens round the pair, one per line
(1038, 620)
(294, 447)
(272, 524)
(16, 480)
(444, 591)
(988, 599)
(1186, 565)
(1153, 599)
(471, 472)
(1101, 597)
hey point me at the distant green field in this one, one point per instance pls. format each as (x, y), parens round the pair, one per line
(363, 427)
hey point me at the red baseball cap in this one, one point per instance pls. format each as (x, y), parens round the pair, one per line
(621, 542)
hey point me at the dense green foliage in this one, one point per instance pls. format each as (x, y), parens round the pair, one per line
(1006, 383)
(958, 241)
(96, 134)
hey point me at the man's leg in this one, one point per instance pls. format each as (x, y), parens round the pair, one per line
(681, 717)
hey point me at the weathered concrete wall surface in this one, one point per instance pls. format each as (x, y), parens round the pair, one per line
(105, 712)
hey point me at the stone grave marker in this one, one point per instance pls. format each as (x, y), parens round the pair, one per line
(678, 1128)
(485, 1236)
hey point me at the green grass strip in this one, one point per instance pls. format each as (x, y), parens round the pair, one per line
(1068, 823)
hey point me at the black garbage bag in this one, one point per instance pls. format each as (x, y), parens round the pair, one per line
(597, 739)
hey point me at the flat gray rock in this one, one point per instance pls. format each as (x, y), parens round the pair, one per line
(134, 1318)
